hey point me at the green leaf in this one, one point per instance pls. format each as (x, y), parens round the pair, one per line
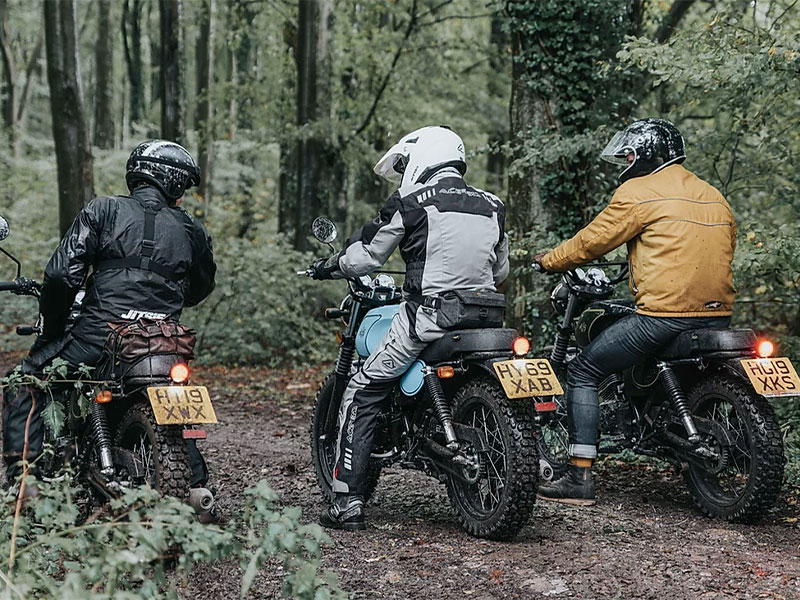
(54, 417)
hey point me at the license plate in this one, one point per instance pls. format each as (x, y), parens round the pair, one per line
(772, 376)
(527, 377)
(181, 405)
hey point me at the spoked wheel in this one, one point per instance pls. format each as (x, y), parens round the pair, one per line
(744, 482)
(159, 451)
(323, 443)
(496, 500)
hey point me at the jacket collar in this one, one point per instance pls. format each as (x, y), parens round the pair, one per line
(148, 194)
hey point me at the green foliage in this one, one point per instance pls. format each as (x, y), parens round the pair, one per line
(123, 550)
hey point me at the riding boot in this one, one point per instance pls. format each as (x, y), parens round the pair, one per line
(346, 512)
(574, 487)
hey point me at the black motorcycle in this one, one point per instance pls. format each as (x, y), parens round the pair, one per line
(449, 415)
(129, 424)
(700, 404)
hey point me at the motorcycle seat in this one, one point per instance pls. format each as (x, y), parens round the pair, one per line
(707, 341)
(464, 341)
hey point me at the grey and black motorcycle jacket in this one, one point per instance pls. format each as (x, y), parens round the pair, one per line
(451, 237)
(128, 278)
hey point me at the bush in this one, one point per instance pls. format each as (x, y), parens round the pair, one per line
(120, 552)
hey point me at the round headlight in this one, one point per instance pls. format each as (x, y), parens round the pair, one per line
(559, 298)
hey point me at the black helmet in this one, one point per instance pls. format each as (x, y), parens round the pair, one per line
(166, 165)
(655, 143)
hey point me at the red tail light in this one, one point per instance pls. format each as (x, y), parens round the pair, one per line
(179, 372)
(765, 348)
(521, 346)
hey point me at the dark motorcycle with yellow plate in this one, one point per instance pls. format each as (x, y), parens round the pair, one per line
(463, 412)
(129, 425)
(701, 404)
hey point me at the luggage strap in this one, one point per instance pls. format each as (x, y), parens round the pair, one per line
(427, 301)
(144, 260)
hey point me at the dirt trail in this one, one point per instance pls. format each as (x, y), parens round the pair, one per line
(641, 541)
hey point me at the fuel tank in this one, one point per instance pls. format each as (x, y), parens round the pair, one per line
(597, 317)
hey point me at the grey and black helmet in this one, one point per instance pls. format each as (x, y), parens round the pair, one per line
(655, 143)
(166, 165)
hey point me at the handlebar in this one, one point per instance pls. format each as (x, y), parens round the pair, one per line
(21, 286)
(27, 330)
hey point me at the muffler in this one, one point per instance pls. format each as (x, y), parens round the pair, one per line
(201, 500)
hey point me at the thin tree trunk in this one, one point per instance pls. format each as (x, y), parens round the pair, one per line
(71, 136)
(498, 59)
(307, 150)
(104, 61)
(9, 87)
(172, 104)
(205, 108)
(131, 21)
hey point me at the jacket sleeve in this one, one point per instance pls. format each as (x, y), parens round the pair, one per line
(372, 245)
(67, 268)
(616, 224)
(200, 280)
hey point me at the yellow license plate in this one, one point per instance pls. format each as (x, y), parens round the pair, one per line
(181, 405)
(526, 377)
(772, 376)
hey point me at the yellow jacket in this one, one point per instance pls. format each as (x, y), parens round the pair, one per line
(681, 235)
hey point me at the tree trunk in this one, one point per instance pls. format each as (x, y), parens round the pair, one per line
(307, 150)
(172, 104)
(132, 40)
(9, 87)
(205, 108)
(104, 64)
(71, 136)
(498, 60)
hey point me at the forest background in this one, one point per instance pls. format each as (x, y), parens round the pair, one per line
(288, 104)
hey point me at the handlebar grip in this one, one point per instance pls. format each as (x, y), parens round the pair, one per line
(334, 313)
(26, 330)
(538, 267)
(8, 286)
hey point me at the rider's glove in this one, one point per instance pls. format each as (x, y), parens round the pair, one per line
(323, 268)
(537, 262)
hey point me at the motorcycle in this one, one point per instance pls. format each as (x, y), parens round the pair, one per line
(455, 414)
(700, 404)
(130, 426)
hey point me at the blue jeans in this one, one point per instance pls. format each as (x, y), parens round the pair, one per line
(627, 342)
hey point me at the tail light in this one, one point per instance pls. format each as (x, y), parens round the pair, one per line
(521, 346)
(179, 373)
(765, 348)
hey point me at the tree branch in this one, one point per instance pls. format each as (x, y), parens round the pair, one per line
(451, 17)
(24, 99)
(371, 113)
(670, 22)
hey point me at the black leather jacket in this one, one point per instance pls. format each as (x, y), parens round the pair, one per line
(111, 229)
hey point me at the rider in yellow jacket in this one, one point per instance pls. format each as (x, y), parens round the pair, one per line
(681, 235)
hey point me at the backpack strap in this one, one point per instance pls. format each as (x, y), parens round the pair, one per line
(145, 258)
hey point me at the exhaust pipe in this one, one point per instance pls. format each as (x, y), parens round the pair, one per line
(201, 500)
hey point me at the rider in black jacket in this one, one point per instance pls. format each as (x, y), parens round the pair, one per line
(107, 250)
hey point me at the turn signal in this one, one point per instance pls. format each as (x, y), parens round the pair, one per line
(521, 346)
(179, 373)
(446, 372)
(765, 348)
(103, 397)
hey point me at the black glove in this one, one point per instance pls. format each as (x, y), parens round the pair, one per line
(537, 262)
(323, 268)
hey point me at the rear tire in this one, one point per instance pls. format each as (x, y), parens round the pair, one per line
(323, 450)
(751, 478)
(499, 505)
(161, 448)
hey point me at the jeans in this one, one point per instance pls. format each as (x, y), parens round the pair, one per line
(624, 344)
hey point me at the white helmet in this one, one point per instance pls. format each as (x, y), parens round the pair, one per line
(418, 155)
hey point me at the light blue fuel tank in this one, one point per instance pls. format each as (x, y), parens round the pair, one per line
(373, 328)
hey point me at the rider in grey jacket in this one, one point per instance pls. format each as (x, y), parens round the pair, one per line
(451, 237)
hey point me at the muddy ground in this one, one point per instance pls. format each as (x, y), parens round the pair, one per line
(642, 540)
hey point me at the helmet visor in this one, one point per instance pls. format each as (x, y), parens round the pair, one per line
(617, 150)
(392, 164)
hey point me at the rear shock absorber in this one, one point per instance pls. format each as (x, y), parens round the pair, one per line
(440, 406)
(102, 439)
(678, 399)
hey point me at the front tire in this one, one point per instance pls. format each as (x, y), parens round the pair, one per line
(323, 446)
(161, 449)
(499, 504)
(749, 481)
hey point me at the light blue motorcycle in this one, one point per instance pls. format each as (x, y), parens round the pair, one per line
(463, 413)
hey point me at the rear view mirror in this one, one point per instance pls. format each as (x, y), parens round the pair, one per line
(4, 229)
(324, 230)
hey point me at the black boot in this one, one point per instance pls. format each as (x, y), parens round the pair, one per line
(346, 512)
(574, 487)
